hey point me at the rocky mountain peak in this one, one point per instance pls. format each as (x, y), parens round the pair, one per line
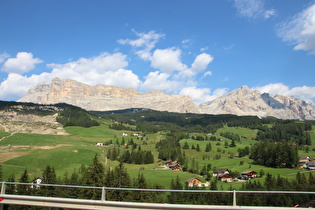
(241, 101)
(244, 101)
(105, 98)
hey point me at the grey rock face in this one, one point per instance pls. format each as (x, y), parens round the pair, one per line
(105, 98)
(244, 101)
(241, 101)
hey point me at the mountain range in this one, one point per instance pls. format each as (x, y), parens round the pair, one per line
(241, 101)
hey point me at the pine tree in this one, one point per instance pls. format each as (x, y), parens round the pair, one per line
(10, 188)
(94, 176)
(208, 147)
(122, 179)
(198, 148)
(141, 183)
(22, 189)
(186, 146)
(176, 197)
(233, 143)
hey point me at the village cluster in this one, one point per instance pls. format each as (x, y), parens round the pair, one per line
(223, 174)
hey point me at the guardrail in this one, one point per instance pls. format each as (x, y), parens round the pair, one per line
(102, 202)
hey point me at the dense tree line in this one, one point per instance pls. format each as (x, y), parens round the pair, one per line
(274, 154)
(278, 183)
(97, 175)
(120, 126)
(136, 156)
(74, 117)
(93, 175)
(169, 148)
(230, 135)
(292, 132)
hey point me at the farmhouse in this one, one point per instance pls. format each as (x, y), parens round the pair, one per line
(99, 144)
(220, 171)
(136, 134)
(304, 161)
(248, 174)
(311, 165)
(36, 183)
(226, 177)
(194, 182)
(175, 167)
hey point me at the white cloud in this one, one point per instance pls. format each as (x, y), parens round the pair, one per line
(23, 62)
(270, 13)
(253, 9)
(201, 62)
(104, 69)
(249, 8)
(200, 95)
(15, 86)
(3, 57)
(300, 30)
(207, 73)
(147, 41)
(159, 81)
(305, 92)
(167, 60)
(204, 49)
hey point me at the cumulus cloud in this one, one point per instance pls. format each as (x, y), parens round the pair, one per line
(159, 81)
(23, 62)
(167, 60)
(305, 92)
(146, 41)
(300, 30)
(253, 9)
(106, 69)
(200, 95)
(15, 86)
(201, 62)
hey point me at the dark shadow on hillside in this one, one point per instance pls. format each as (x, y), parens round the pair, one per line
(273, 103)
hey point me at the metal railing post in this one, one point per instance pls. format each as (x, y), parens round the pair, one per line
(3, 188)
(234, 198)
(103, 194)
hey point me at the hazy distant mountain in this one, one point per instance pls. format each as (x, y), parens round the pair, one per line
(105, 98)
(242, 101)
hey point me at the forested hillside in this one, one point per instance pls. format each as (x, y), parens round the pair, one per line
(151, 149)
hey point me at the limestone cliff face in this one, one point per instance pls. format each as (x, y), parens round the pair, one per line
(105, 98)
(244, 101)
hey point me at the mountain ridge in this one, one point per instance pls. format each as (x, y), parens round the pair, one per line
(241, 101)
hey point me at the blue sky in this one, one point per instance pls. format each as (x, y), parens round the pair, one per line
(201, 48)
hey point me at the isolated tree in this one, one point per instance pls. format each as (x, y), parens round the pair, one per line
(198, 148)
(233, 143)
(208, 147)
(186, 146)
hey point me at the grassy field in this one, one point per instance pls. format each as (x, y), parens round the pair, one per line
(68, 152)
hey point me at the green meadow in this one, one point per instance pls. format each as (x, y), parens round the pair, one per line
(69, 152)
